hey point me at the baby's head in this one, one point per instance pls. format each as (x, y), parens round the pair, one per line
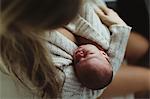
(92, 67)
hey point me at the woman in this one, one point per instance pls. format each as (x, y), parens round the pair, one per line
(22, 47)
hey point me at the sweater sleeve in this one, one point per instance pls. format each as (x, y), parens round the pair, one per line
(119, 39)
(88, 25)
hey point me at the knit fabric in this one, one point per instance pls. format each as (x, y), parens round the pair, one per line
(88, 25)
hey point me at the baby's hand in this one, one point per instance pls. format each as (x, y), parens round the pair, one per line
(108, 16)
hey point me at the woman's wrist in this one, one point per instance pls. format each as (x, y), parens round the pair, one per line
(119, 24)
(119, 28)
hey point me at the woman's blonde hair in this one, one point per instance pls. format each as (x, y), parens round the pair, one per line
(22, 49)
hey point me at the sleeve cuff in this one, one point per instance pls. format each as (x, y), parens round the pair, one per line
(119, 28)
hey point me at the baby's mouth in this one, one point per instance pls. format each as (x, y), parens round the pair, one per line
(78, 55)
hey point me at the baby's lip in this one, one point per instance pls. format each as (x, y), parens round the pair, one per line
(79, 54)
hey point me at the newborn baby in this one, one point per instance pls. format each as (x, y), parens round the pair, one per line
(92, 67)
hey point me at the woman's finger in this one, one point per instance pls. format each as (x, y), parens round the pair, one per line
(105, 9)
(99, 12)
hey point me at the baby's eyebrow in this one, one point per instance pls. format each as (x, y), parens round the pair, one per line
(78, 62)
(97, 58)
(91, 57)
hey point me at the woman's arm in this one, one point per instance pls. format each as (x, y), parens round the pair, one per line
(119, 38)
(125, 79)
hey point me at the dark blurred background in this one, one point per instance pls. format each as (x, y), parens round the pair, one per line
(135, 13)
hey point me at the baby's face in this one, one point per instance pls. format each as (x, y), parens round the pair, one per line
(92, 64)
(86, 53)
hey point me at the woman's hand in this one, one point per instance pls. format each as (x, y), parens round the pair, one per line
(108, 16)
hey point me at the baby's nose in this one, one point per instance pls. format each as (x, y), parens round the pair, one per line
(103, 53)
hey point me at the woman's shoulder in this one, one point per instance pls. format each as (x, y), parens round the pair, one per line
(10, 87)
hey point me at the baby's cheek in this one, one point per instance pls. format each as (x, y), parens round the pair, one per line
(103, 53)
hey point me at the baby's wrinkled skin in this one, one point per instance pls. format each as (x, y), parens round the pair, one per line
(92, 67)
